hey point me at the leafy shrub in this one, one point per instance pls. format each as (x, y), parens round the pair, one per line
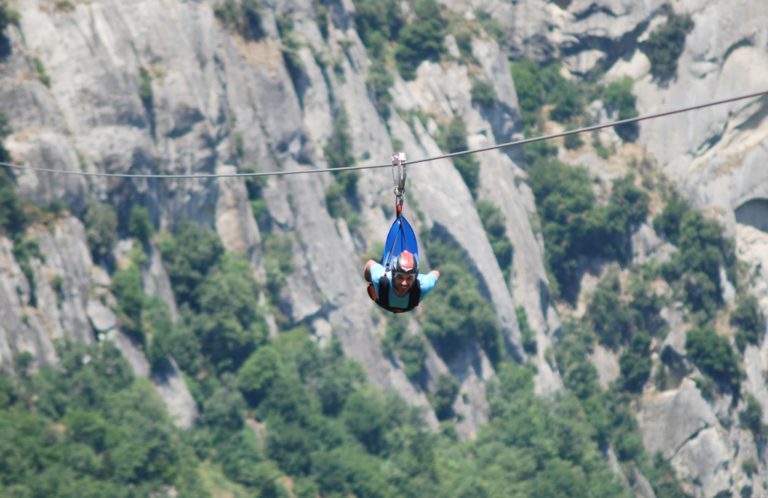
(453, 138)
(12, 217)
(749, 322)
(377, 18)
(483, 93)
(188, 257)
(491, 25)
(146, 94)
(752, 416)
(665, 45)
(379, 82)
(321, 17)
(100, 229)
(446, 390)
(635, 363)
(547, 447)
(241, 16)
(139, 224)
(574, 227)
(157, 328)
(278, 262)
(364, 415)
(610, 316)
(573, 141)
(290, 49)
(530, 93)
(229, 325)
(458, 313)
(713, 356)
(564, 199)
(94, 432)
(421, 39)
(539, 86)
(410, 348)
(696, 265)
(668, 223)
(339, 154)
(126, 286)
(527, 334)
(258, 374)
(495, 226)
(618, 96)
(42, 75)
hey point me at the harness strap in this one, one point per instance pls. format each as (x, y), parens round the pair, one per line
(383, 298)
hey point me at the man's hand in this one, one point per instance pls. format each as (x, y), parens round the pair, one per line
(436, 274)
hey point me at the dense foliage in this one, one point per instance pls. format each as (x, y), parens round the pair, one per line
(281, 416)
(618, 97)
(703, 251)
(575, 226)
(495, 227)
(665, 44)
(459, 314)
(538, 86)
(421, 39)
(12, 218)
(88, 428)
(714, 356)
(453, 138)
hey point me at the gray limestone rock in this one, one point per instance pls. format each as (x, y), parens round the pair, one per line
(670, 419)
(174, 393)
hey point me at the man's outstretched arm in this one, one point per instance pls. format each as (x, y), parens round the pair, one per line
(367, 270)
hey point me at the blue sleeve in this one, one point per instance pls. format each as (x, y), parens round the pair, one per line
(377, 271)
(427, 282)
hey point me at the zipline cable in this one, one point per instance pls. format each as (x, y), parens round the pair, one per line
(170, 176)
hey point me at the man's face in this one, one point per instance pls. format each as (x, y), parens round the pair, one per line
(404, 282)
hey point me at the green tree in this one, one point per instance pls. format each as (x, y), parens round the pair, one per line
(127, 288)
(242, 16)
(618, 97)
(703, 251)
(139, 224)
(421, 39)
(258, 374)
(454, 139)
(229, 326)
(446, 390)
(459, 313)
(380, 80)
(749, 321)
(100, 229)
(635, 363)
(189, 256)
(714, 357)
(378, 17)
(665, 44)
(483, 93)
(365, 416)
(12, 217)
(496, 228)
(339, 154)
(668, 223)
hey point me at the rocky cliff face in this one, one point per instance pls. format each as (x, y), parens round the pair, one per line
(164, 87)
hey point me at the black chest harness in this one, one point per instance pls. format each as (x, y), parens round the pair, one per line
(383, 298)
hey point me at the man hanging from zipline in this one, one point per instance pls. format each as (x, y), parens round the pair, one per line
(395, 283)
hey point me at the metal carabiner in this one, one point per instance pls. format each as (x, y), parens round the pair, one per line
(398, 177)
